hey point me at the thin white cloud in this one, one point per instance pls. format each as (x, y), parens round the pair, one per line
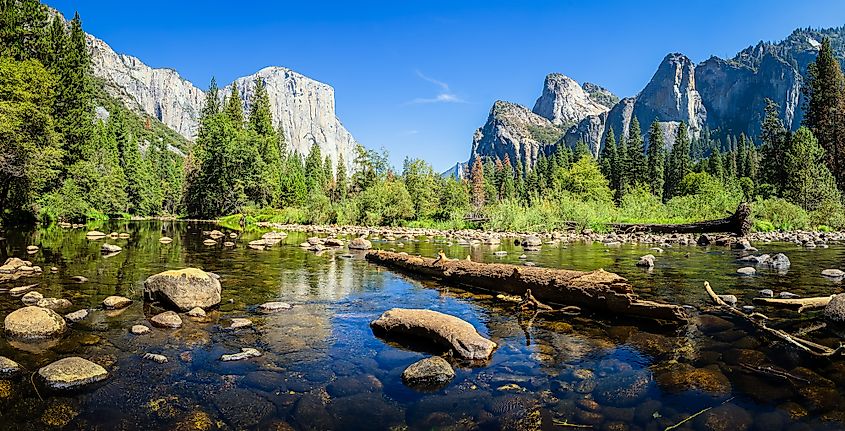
(410, 132)
(444, 94)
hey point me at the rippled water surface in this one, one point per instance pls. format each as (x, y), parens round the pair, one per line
(322, 367)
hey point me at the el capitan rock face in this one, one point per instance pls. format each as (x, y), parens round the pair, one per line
(304, 107)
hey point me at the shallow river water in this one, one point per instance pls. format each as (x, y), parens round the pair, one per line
(322, 367)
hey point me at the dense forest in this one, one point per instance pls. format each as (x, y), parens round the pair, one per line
(70, 152)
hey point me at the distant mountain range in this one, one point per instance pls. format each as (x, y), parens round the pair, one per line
(724, 95)
(305, 108)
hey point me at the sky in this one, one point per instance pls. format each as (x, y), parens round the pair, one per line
(417, 78)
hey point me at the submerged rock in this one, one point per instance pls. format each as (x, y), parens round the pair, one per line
(155, 357)
(72, 372)
(444, 330)
(684, 377)
(622, 389)
(54, 303)
(34, 323)
(240, 322)
(31, 298)
(273, 307)
(646, 261)
(184, 289)
(168, 319)
(748, 270)
(428, 373)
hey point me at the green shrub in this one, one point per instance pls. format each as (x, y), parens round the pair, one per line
(781, 214)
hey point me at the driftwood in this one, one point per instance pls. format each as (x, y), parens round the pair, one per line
(808, 346)
(599, 290)
(738, 223)
(796, 304)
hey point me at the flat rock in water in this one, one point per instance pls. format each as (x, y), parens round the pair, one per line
(443, 330)
(360, 244)
(748, 270)
(165, 240)
(76, 316)
(428, 373)
(78, 279)
(273, 307)
(183, 289)
(168, 319)
(780, 262)
(8, 367)
(34, 323)
(116, 302)
(833, 273)
(95, 234)
(110, 248)
(245, 353)
(240, 322)
(155, 357)
(767, 293)
(72, 372)
(139, 329)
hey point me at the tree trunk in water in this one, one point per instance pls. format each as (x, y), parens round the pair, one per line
(739, 223)
(599, 290)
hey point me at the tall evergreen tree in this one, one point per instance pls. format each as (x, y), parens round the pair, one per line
(477, 182)
(679, 159)
(637, 163)
(824, 113)
(656, 159)
(607, 157)
(74, 104)
(212, 101)
(342, 181)
(234, 108)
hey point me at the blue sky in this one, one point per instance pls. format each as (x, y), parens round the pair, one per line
(418, 77)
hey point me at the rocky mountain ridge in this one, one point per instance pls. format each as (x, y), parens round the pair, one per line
(305, 108)
(724, 95)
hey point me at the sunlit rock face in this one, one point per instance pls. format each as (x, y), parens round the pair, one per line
(564, 102)
(305, 108)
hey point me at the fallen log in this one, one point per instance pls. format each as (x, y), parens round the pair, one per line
(808, 346)
(795, 304)
(599, 290)
(738, 223)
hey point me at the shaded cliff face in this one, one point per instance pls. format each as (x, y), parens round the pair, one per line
(304, 107)
(160, 93)
(514, 131)
(564, 102)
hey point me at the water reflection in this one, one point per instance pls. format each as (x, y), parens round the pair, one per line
(322, 368)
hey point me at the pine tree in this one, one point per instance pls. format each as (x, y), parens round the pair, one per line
(809, 184)
(212, 101)
(607, 158)
(315, 178)
(656, 159)
(54, 45)
(824, 113)
(679, 159)
(637, 163)
(508, 188)
(477, 181)
(22, 24)
(715, 166)
(234, 108)
(293, 190)
(74, 105)
(260, 125)
(342, 181)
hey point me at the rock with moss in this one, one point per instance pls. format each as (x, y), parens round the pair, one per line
(71, 373)
(34, 323)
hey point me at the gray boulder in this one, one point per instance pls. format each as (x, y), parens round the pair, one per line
(183, 289)
(360, 244)
(834, 311)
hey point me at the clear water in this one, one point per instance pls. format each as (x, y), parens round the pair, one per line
(322, 368)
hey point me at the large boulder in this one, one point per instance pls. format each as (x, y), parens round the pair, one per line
(72, 372)
(183, 289)
(34, 323)
(443, 330)
(834, 311)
